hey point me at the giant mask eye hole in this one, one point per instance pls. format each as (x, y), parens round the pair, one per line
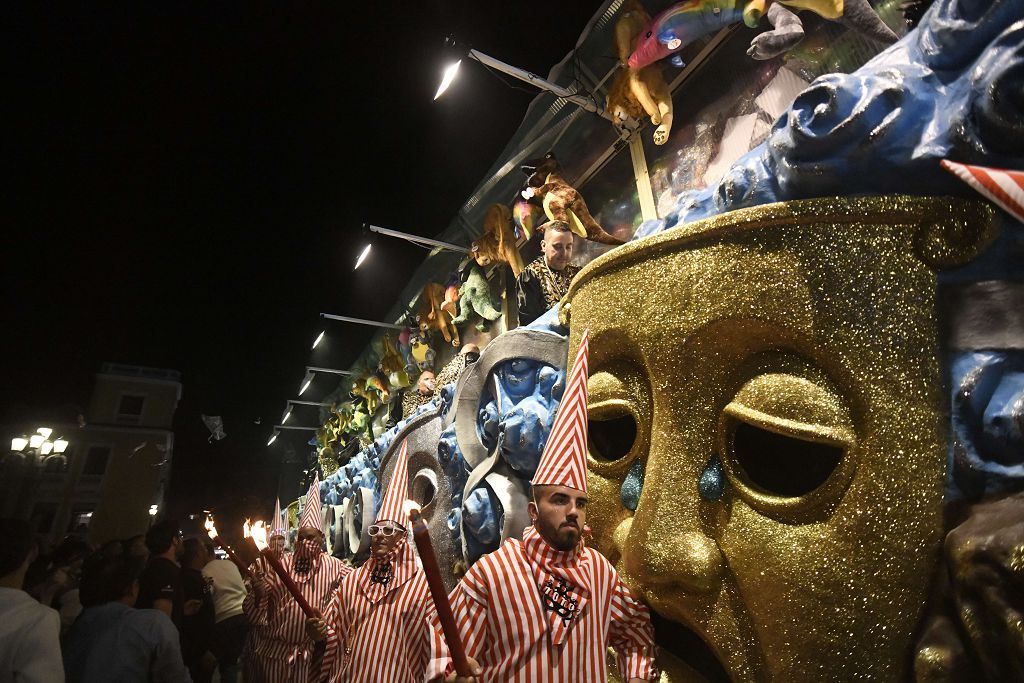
(782, 465)
(788, 445)
(618, 419)
(611, 436)
(424, 487)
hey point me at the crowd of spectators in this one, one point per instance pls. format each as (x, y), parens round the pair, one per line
(157, 607)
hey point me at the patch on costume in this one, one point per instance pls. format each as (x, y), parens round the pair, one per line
(557, 594)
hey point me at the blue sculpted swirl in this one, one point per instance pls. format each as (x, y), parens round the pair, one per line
(950, 89)
(514, 419)
(987, 449)
(453, 463)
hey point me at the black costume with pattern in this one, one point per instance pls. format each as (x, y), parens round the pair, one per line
(540, 288)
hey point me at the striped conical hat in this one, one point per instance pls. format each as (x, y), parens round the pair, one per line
(392, 508)
(1003, 187)
(564, 461)
(276, 527)
(311, 512)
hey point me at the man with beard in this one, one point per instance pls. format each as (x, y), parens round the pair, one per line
(280, 648)
(555, 605)
(382, 608)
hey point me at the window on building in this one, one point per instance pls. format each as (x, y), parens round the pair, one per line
(96, 461)
(129, 411)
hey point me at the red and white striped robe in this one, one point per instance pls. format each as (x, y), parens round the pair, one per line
(280, 651)
(384, 632)
(504, 626)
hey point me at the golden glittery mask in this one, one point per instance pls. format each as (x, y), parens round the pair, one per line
(772, 377)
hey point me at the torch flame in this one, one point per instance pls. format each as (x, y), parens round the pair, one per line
(259, 534)
(409, 505)
(246, 529)
(210, 528)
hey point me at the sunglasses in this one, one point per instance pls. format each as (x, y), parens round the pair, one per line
(378, 530)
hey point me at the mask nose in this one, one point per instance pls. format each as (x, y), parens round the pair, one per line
(686, 559)
(667, 545)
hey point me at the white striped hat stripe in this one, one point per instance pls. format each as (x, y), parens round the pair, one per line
(1003, 187)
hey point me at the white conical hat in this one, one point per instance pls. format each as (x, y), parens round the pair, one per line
(311, 512)
(392, 508)
(277, 528)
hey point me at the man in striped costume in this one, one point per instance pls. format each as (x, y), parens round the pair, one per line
(545, 609)
(281, 649)
(383, 608)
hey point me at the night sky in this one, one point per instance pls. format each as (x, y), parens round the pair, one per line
(188, 182)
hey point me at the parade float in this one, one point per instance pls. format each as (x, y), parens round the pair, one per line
(806, 361)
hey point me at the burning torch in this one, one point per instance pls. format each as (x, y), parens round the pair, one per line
(215, 537)
(255, 547)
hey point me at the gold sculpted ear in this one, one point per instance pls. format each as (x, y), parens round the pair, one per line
(788, 445)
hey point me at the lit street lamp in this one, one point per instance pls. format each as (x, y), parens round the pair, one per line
(38, 450)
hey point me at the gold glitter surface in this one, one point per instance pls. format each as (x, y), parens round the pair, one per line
(814, 320)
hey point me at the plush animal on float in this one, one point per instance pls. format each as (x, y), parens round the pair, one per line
(526, 216)
(498, 243)
(475, 297)
(685, 22)
(374, 391)
(561, 201)
(421, 352)
(451, 296)
(334, 436)
(635, 92)
(405, 337)
(392, 364)
(431, 315)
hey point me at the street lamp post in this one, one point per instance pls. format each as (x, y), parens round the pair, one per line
(34, 453)
(37, 450)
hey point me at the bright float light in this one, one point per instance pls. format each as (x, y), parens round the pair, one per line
(273, 438)
(362, 256)
(307, 380)
(319, 338)
(36, 440)
(153, 510)
(46, 448)
(45, 431)
(210, 528)
(60, 445)
(19, 443)
(449, 75)
(287, 414)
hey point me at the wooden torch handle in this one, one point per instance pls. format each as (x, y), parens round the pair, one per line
(289, 583)
(421, 535)
(233, 556)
